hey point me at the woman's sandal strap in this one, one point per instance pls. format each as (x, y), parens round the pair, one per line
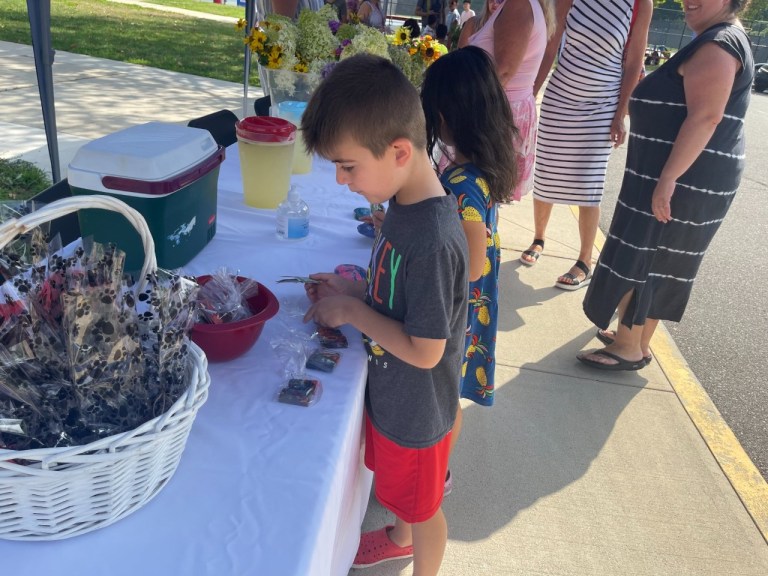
(583, 267)
(538, 242)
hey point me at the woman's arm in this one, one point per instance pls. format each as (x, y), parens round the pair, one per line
(707, 79)
(466, 31)
(633, 64)
(511, 32)
(421, 9)
(562, 7)
(285, 7)
(364, 12)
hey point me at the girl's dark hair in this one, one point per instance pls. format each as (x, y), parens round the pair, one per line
(462, 95)
(413, 26)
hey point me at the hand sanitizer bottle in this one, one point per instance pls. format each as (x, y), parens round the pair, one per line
(292, 217)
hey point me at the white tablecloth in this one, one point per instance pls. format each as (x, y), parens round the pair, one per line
(263, 488)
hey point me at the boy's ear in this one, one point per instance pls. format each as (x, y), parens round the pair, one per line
(403, 149)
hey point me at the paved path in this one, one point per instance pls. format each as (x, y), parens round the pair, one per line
(190, 13)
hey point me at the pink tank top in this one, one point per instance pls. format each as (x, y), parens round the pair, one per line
(520, 86)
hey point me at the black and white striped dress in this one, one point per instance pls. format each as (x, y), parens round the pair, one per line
(660, 261)
(580, 102)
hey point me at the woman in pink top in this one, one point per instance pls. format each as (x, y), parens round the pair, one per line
(523, 28)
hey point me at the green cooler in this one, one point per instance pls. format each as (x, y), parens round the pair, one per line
(168, 172)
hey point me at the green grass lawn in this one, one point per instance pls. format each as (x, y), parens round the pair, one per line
(138, 35)
(20, 180)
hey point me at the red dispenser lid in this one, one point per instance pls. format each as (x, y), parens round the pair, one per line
(266, 129)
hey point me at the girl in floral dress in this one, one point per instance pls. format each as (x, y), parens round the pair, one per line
(473, 117)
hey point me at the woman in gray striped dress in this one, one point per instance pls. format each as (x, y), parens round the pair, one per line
(684, 165)
(582, 114)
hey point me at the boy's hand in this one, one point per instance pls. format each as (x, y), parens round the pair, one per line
(332, 285)
(331, 311)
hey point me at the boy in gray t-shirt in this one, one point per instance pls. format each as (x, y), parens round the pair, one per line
(412, 308)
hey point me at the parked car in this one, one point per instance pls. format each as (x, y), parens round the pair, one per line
(760, 83)
(652, 57)
(655, 53)
(665, 52)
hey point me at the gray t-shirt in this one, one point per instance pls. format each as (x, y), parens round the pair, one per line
(418, 275)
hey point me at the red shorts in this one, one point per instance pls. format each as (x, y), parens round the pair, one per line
(408, 481)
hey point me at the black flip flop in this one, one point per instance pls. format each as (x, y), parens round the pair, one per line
(622, 363)
(607, 340)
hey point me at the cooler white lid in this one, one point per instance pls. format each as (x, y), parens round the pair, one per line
(154, 151)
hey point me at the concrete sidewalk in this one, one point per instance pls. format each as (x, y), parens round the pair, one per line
(573, 471)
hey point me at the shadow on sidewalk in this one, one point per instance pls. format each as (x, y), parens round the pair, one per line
(515, 295)
(542, 434)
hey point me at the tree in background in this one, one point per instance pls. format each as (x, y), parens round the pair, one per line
(757, 10)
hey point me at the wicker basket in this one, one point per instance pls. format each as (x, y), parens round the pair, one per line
(64, 492)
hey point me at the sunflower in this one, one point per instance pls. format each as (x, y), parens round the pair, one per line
(241, 24)
(255, 40)
(275, 58)
(402, 36)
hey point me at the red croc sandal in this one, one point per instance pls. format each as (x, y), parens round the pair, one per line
(376, 547)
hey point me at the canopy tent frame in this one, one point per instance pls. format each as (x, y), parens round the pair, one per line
(39, 12)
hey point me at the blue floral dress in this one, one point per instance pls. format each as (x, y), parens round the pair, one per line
(475, 205)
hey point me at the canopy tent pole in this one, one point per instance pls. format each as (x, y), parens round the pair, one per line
(250, 18)
(40, 26)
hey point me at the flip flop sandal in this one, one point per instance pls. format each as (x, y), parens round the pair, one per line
(621, 363)
(602, 335)
(376, 547)
(575, 283)
(534, 254)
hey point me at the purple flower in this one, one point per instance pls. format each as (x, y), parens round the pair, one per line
(334, 26)
(340, 48)
(327, 69)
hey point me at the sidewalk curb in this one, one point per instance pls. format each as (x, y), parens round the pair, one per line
(741, 472)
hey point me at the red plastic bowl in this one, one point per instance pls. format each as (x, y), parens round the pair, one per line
(222, 342)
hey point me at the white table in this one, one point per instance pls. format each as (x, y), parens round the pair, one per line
(263, 488)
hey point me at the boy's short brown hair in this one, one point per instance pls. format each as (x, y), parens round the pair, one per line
(365, 98)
